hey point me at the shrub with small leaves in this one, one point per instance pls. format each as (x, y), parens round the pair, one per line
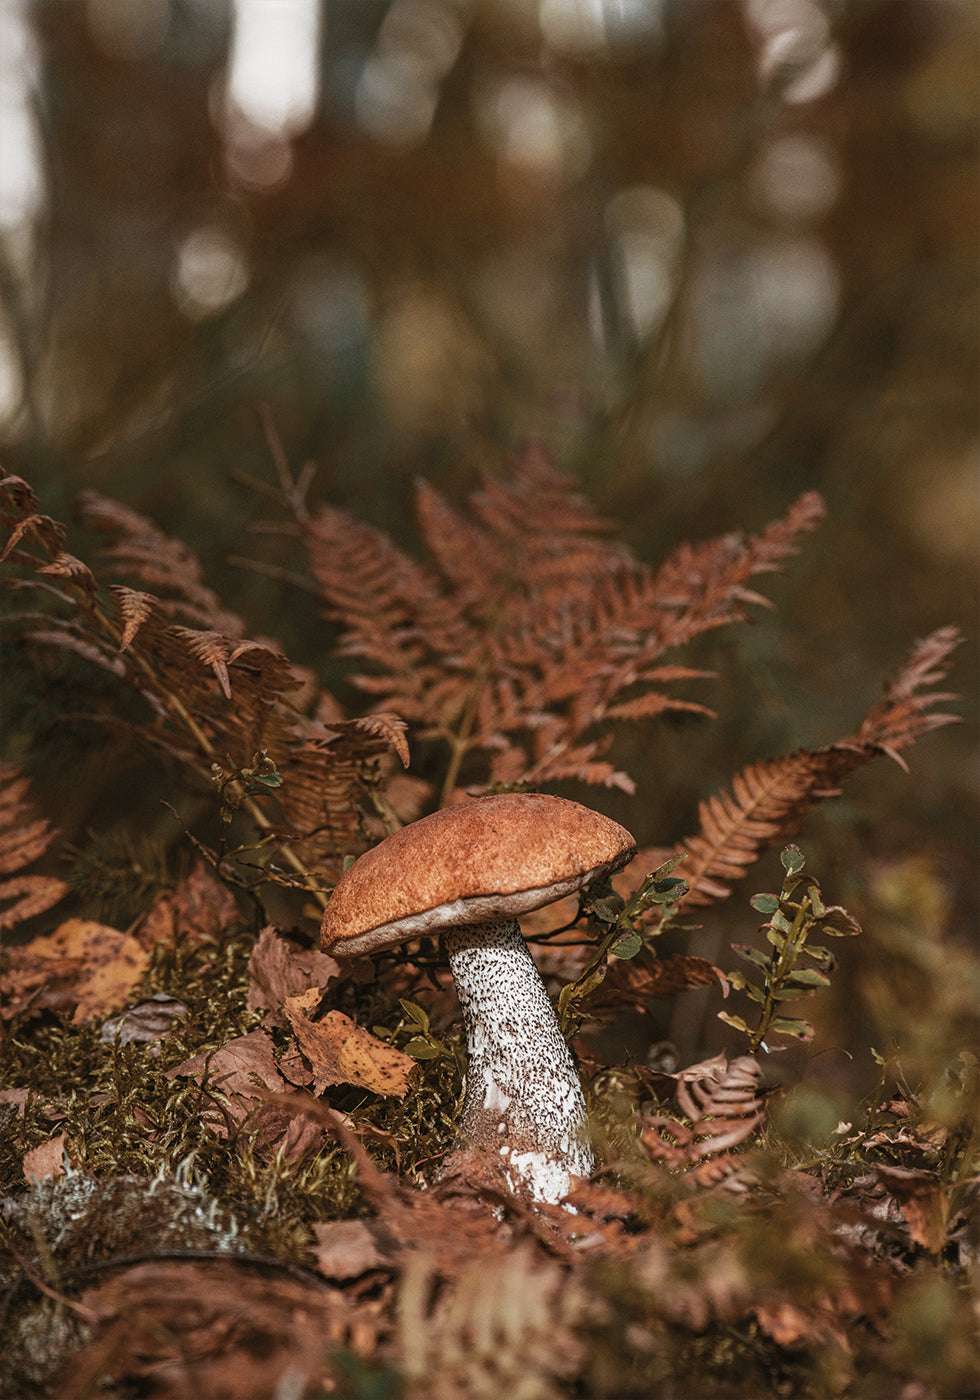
(795, 967)
(616, 923)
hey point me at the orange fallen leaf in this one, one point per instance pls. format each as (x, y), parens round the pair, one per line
(83, 963)
(342, 1052)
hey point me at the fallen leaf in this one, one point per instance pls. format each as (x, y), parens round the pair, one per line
(245, 1066)
(83, 963)
(346, 1249)
(46, 1160)
(200, 907)
(146, 1021)
(342, 1052)
(17, 1097)
(279, 968)
(922, 1201)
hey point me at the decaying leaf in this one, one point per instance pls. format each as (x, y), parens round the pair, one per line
(228, 1328)
(341, 1052)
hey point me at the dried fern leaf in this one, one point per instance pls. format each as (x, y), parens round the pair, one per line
(24, 838)
(769, 801)
(724, 1105)
(133, 607)
(529, 634)
(144, 555)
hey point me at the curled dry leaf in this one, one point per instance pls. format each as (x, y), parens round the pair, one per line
(146, 1021)
(342, 1052)
(200, 907)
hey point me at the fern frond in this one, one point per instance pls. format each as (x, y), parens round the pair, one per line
(143, 555)
(769, 801)
(24, 838)
(134, 607)
(214, 695)
(528, 634)
(724, 1106)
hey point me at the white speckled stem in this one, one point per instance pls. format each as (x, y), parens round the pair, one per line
(524, 1104)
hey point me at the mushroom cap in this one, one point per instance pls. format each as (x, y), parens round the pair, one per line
(489, 859)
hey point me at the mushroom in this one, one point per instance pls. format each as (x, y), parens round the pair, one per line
(467, 872)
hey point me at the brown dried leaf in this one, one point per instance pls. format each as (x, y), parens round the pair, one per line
(341, 1052)
(96, 967)
(200, 907)
(345, 1249)
(45, 1160)
(244, 1068)
(922, 1200)
(279, 968)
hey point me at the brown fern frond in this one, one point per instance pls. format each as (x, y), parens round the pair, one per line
(66, 566)
(530, 634)
(144, 555)
(214, 695)
(900, 716)
(213, 649)
(39, 529)
(769, 801)
(724, 1105)
(134, 607)
(24, 838)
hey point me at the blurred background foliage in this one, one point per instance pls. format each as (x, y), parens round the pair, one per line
(712, 252)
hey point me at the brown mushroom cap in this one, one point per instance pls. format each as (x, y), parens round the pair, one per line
(493, 858)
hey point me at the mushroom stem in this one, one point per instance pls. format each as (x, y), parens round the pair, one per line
(523, 1101)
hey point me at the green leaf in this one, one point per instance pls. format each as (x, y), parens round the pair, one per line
(668, 867)
(667, 891)
(791, 993)
(764, 903)
(752, 955)
(627, 946)
(269, 780)
(606, 910)
(420, 1049)
(792, 859)
(735, 1021)
(809, 977)
(791, 1025)
(415, 1013)
(577, 991)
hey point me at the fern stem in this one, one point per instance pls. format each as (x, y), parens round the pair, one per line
(181, 712)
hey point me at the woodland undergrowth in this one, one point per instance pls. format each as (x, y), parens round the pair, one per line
(219, 1143)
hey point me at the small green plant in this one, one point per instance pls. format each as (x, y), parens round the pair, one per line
(795, 967)
(617, 923)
